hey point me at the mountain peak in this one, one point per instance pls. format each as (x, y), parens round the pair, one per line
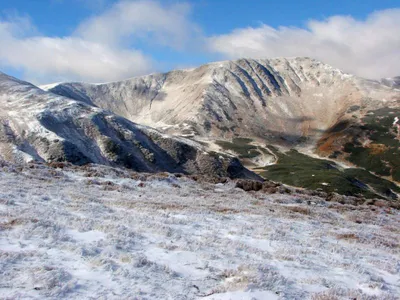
(296, 60)
(215, 98)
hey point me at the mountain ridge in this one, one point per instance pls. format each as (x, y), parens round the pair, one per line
(298, 103)
(220, 95)
(42, 126)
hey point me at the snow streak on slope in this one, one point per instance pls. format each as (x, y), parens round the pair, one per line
(68, 234)
(292, 97)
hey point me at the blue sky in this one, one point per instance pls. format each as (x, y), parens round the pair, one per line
(103, 40)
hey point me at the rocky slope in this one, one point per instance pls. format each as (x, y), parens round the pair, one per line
(41, 126)
(291, 99)
(392, 82)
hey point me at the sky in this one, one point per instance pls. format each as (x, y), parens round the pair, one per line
(45, 41)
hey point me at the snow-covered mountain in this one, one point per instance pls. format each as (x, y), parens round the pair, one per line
(289, 102)
(292, 102)
(287, 97)
(42, 126)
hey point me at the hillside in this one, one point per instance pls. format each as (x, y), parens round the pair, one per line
(41, 126)
(290, 99)
(114, 233)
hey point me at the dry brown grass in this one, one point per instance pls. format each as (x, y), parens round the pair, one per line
(169, 206)
(138, 176)
(347, 236)
(391, 229)
(329, 144)
(299, 209)
(159, 176)
(324, 297)
(110, 188)
(94, 173)
(376, 149)
(58, 165)
(12, 223)
(225, 210)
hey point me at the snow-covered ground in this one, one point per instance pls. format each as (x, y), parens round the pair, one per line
(100, 233)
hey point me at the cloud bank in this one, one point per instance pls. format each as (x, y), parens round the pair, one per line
(368, 48)
(110, 45)
(47, 59)
(127, 21)
(102, 48)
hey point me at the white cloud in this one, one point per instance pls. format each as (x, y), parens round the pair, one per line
(101, 48)
(167, 25)
(46, 59)
(369, 48)
(106, 46)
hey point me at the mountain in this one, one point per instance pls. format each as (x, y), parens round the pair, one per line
(291, 99)
(296, 103)
(41, 126)
(257, 110)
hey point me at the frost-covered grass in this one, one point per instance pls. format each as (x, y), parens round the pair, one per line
(124, 236)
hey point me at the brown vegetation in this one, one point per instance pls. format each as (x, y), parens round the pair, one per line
(347, 236)
(268, 187)
(331, 142)
(299, 209)
(376, 149)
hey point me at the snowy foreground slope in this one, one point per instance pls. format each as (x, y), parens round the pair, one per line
(103, 233)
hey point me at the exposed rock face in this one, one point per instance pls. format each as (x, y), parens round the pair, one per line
(41, 126)
(392, 82)
(291, 99)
